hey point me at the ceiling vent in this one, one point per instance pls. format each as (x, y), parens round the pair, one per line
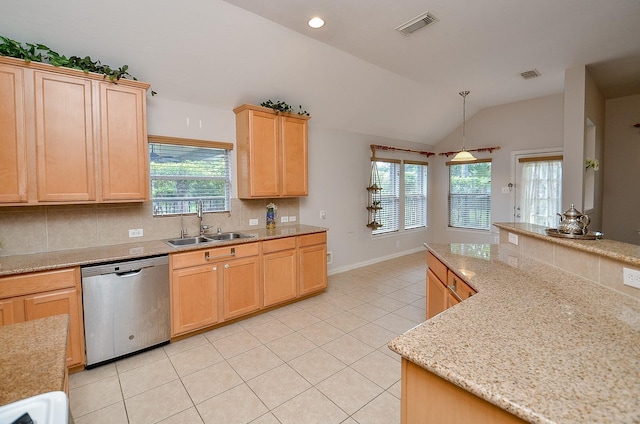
(416, 23)
(534, 73)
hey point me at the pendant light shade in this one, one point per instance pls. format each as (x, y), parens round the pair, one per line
(463, 155)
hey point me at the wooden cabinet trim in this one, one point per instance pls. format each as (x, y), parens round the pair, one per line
(437, 267)
(312, 239)
(24, 284)
(276, 245)
(214, 254)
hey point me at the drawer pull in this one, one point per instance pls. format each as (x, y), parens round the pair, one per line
(453, 292)
(210, 258)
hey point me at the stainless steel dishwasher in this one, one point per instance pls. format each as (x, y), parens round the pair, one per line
(126, 308)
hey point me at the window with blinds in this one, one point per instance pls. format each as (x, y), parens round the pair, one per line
(415, 195)
(181, 174)
(470, 195)
(389, 173)
(403, 195)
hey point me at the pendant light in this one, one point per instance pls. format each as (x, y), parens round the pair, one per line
(463, 155)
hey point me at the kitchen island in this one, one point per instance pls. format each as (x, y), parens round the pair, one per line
(33, 358)
(543, 344)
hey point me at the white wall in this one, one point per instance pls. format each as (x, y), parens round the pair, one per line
(339, 167)
(621, 194)
(525, 125)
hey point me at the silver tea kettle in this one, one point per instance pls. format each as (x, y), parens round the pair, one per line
(574, 222)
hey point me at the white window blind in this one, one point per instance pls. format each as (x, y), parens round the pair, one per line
(389, 173)
(183, 174)
(415, 195)
(470, 195)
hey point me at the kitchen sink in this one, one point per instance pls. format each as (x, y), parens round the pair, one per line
(210, 238)
(228, 236)
(188, 241)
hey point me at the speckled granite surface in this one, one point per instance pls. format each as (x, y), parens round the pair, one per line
(65, 258)
(623, 252)
(543, 344)
(33, 357)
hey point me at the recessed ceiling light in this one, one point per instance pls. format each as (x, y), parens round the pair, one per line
(316, 22)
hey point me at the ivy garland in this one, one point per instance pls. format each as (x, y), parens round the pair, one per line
(43, 54)
(280, 106)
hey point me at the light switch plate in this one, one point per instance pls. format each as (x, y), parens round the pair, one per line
(292, 218)
(253, 221)
(284, 219)
(137, 232)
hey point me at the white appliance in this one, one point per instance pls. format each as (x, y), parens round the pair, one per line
(47, 408)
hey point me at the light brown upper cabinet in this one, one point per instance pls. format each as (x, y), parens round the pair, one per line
(272, 153)
(70, 137)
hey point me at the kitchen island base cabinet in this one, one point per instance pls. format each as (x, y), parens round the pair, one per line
(427, 398)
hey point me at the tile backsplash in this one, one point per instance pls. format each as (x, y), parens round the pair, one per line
(33, 229)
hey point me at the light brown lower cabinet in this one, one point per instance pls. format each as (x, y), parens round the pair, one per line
(312, 260)
(444, 288)
(427, 398)
(27, 297)
(194, 298)
(241, 292)
(211, 286)
(279, 270)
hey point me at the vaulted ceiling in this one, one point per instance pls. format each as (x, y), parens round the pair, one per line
(357, 73)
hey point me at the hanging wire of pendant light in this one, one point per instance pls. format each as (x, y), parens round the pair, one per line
(464, 155)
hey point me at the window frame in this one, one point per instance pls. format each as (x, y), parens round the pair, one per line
(191, 204)
(401, 199)
(477, 226)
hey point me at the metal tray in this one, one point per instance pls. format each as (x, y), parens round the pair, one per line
(591, 235)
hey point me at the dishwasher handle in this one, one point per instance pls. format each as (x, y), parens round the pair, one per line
(131, 273)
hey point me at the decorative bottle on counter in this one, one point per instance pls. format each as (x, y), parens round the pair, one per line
(271, 216)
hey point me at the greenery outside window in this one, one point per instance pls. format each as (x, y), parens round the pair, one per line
(403, 195)
(470, 194)
(415, 195)
(184, 171)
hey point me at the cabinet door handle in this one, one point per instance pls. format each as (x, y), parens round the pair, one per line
(453, 292)
(210, 258)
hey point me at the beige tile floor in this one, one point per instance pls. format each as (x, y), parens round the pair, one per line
(321, 360)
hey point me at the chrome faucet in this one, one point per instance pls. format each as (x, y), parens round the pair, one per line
(200, 210)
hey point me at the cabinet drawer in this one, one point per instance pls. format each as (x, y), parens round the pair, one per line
(461, 288)
(277, 245)
(437, 267)
(23, 284)
(311, 239)
(216, 254)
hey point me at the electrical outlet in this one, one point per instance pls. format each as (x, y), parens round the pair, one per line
(136, 232)
(322, 215)
(329, 257)
(513, 238)
(292, 218)
(631, 277)
(253, 221)
(284, 219)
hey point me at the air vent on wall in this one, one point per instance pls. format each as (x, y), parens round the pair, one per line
(416, 23)
(534, 73)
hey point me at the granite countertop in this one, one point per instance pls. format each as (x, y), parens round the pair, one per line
(34, 357)
(543, 344)
(18, 264)
(623, 252)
